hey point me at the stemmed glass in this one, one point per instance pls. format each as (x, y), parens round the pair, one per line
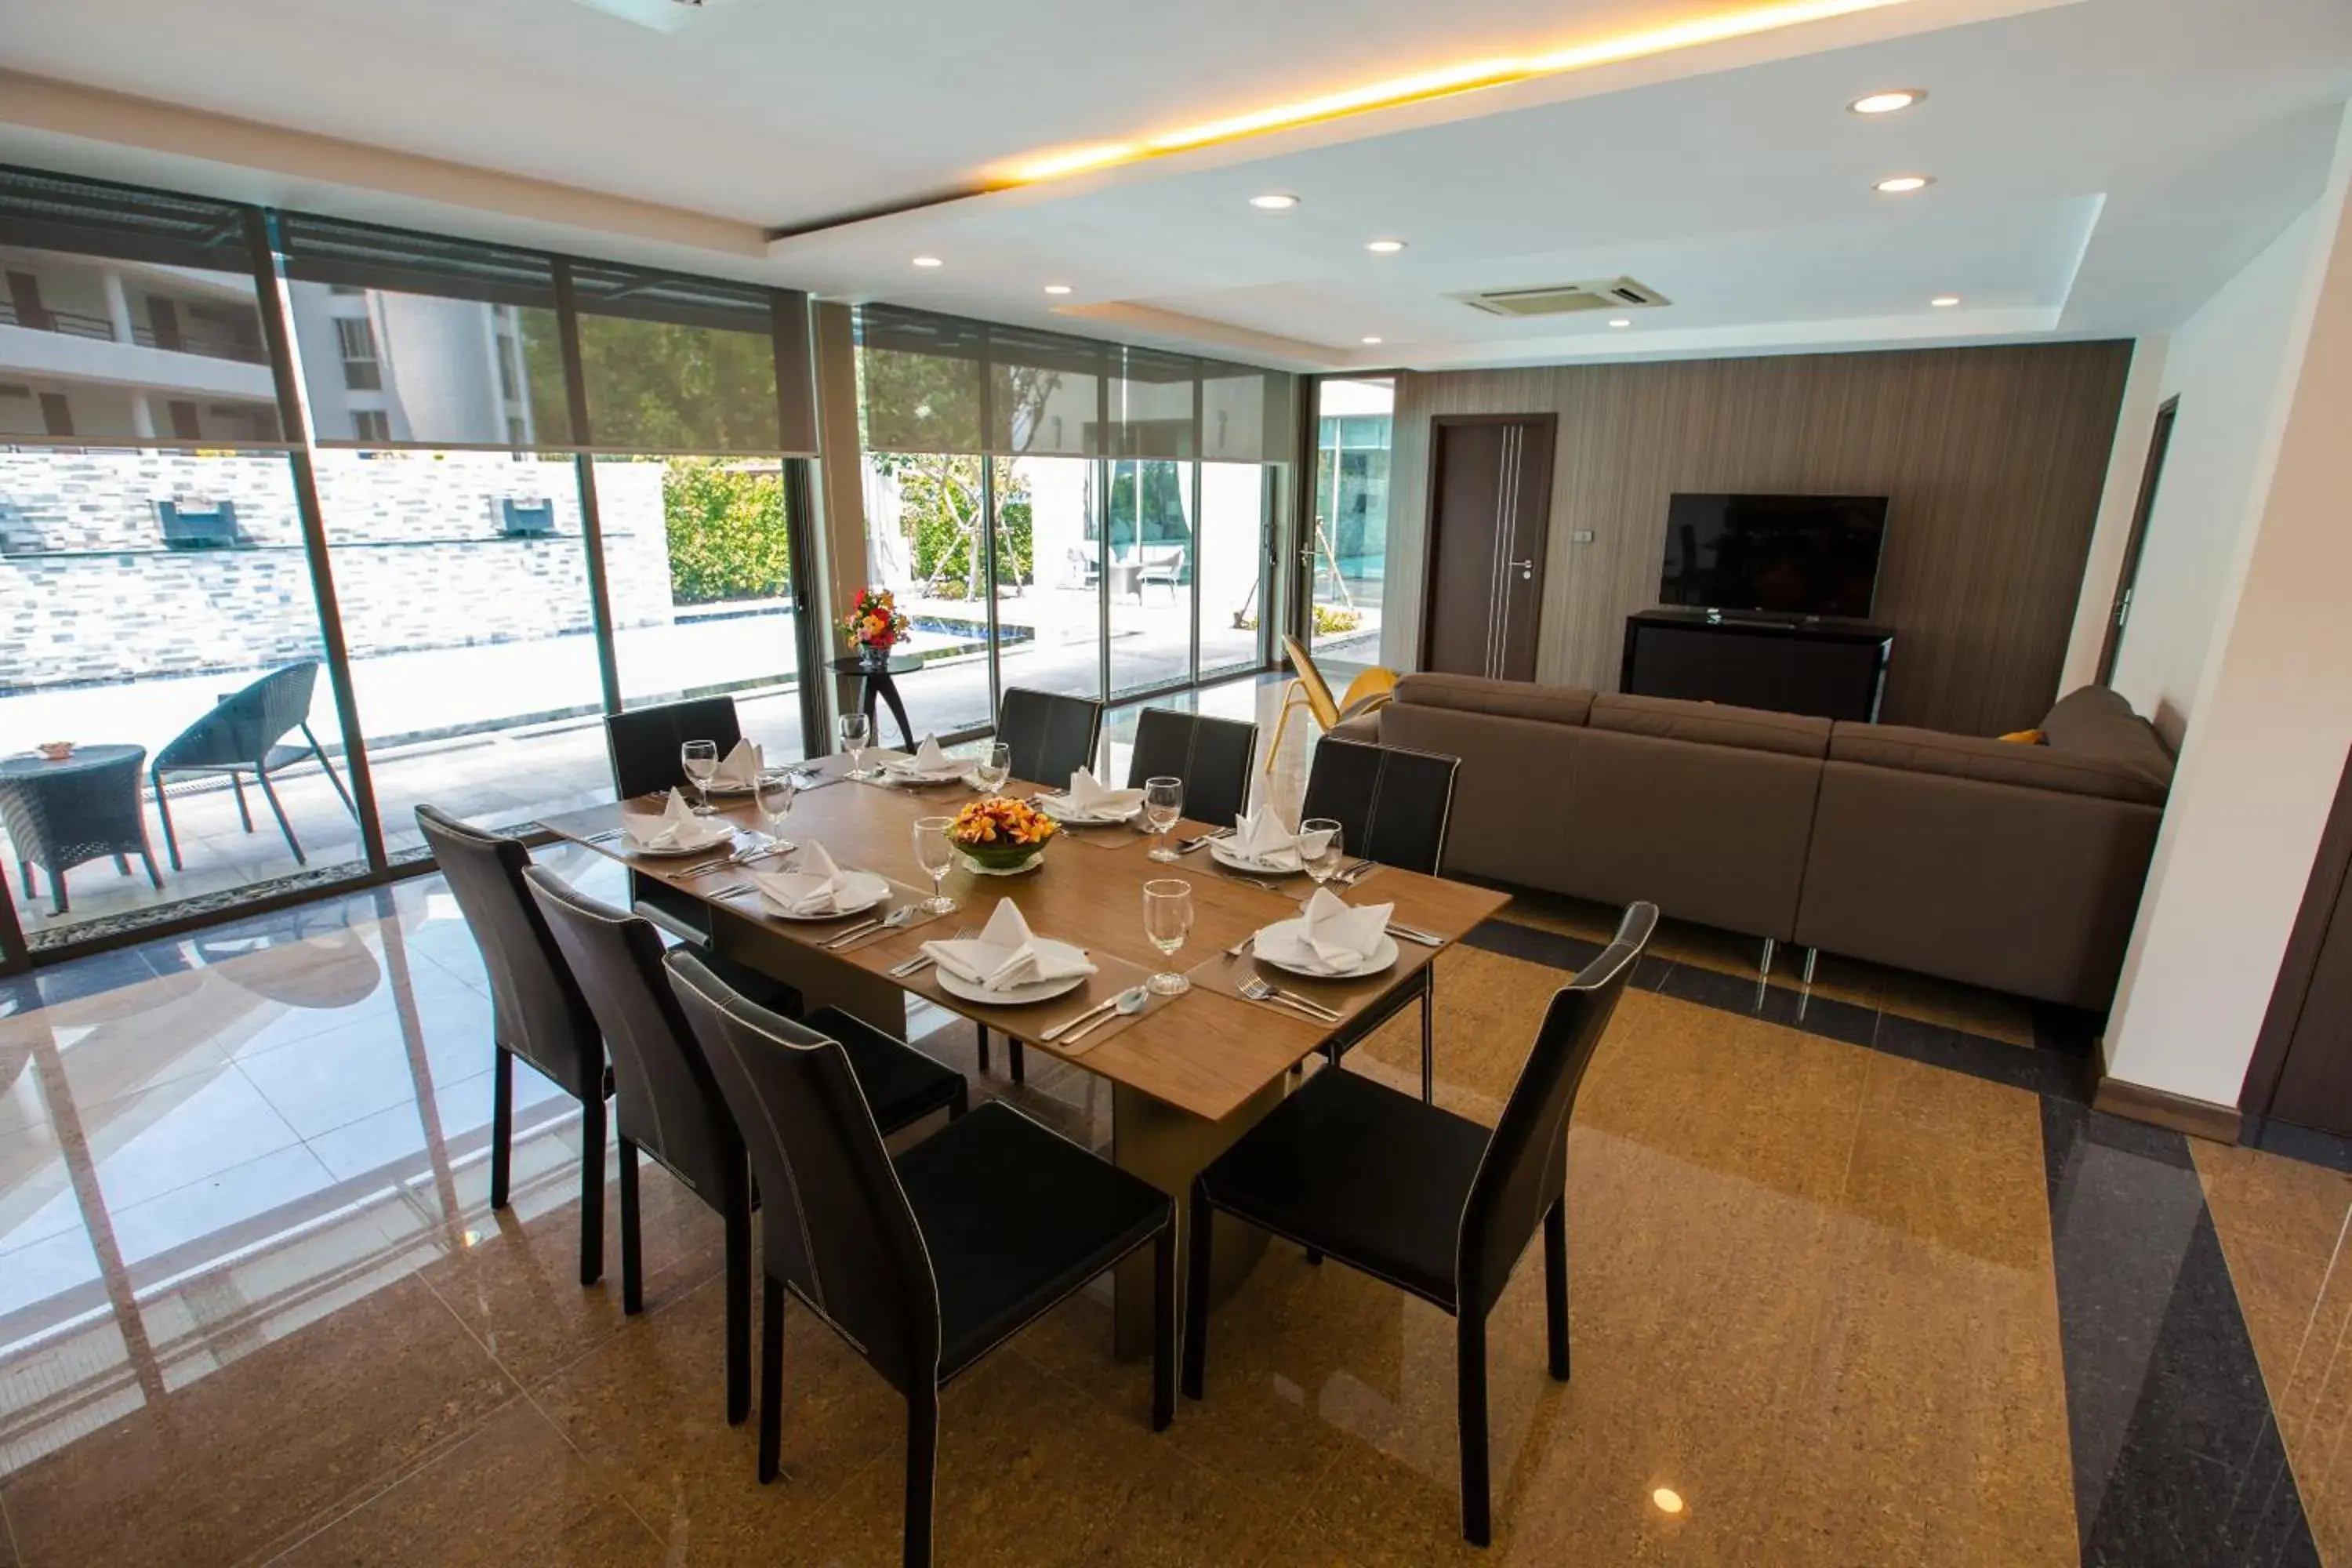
(1324, 863)
(774, 794)
(701, 760)
(1163, 805)
(989, 774)
(935, 853)
(1168, 920)
(855, 732)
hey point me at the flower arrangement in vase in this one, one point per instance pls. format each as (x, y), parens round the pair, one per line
(1002, 834)
(874, 625)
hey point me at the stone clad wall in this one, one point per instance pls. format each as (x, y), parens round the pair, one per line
(413, 544)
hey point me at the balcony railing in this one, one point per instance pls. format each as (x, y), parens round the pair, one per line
(74, 324)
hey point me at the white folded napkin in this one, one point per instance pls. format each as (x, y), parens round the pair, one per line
(1005, 955)
(1089, 796)
(676, 828)
(930, 761)
(1265, 838)
(1332, 936)
(814, 885)
(740, 768)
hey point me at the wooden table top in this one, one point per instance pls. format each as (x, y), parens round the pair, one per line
(1206, 1053)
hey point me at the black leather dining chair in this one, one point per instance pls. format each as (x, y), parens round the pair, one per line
(924, 1262)
(1211, 755)
(1426, 1200)
(667, 1104)
(1050, 736)
(645, 743)
(1394, 806)
(536, 1012)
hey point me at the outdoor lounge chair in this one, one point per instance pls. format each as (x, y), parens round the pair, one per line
(241, 736)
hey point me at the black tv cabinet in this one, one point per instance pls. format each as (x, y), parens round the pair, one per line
(1832, 669)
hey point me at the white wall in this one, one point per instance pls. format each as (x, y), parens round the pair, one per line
(2229, 365)
(2118, 501)
(2273, 707)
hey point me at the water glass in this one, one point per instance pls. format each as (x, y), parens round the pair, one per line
(855, 732)
(1168, 920)
(1324, 863)
(1163, 805)
(774, 794)
(994, 768)
(935, 853)
(700, 760)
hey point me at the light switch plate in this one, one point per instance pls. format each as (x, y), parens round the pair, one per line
(1581, 536)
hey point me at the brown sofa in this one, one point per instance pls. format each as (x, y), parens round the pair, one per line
(2004, 865)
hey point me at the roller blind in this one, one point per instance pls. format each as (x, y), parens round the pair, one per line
(921, 381)
(1151, 405)
(689, 365)
(1246, 415)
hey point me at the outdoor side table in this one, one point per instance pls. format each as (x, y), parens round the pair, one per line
(60, 815)
(874, 682)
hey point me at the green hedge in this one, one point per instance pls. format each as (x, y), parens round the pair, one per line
(727, 534)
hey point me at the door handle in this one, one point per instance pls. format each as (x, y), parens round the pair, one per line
(1525, 569)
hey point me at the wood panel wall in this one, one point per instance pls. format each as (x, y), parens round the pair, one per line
(1993, 459)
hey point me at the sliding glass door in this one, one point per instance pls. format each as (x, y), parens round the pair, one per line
(1345, 553)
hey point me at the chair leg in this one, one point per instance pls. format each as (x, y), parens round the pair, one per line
(148, 855)
(983, 1050)
(1470, 1355)
(592, 1191)
(1196, 1298)
(1016, 1061)
(57, 890)
(501, 1122)
(1764, 970)
(236, 782)
(328, 768)
(922, 1467)
(1163, 1327)
(284, 826)
(633, 1270)
(738, 1219)
(771, 1374)
(1429, 1041)
(1812, 957)
(164, 810)
(121, 867)
(1556, 1285)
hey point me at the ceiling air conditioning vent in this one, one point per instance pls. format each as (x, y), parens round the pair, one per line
(1566, 299)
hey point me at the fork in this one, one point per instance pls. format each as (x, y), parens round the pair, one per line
(922, 960)
(1259, 991)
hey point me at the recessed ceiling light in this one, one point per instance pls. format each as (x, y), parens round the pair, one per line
(1385, 247)
(1941, 301)
(928, 261)
(1902, 184)
(1667, 1499)
(1887, 102)
(1621, 321)
(1057, 288)
(1371, 340)
(1275, 202)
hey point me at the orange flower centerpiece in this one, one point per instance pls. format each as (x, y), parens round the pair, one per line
(1002, 834)
(875, 625)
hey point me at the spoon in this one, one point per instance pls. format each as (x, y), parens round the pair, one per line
(1131, 1001)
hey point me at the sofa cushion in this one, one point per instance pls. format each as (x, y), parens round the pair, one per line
(1712, 724)
(2093, 721)
(2048, 767)
(1504, 699)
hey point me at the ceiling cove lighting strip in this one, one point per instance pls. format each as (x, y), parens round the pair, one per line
(1445, 81)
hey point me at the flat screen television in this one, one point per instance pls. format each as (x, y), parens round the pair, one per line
(1796, 555)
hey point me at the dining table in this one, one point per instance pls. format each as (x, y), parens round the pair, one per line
(1188, 1074)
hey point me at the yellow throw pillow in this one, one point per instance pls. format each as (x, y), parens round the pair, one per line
(2024, 737)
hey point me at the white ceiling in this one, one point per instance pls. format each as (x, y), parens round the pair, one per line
(2102, 166)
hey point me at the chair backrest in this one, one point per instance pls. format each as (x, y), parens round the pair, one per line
(1391, 804)
(1049, 735)
(1211, 755)
(670, 1102)
(538, 1011)
(1525, 1169)
(244, 725)
(835, 1226)
(1320, 700)
(645, 741)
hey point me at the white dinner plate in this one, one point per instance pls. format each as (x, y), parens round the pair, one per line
(678, 851)
(1059, 808)
(866, 891)
(1382, 956)
(1019, 996)
(904, 773)
(1223, 852)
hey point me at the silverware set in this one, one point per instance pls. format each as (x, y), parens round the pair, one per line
(1414, 933)
(896, 919)
(1257, 990)
(1201, 842)
(1078, 1025)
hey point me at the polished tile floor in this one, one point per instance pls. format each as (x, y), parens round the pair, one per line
(1855, 1274)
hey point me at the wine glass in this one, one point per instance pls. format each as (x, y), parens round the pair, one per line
(935, 853)
(774, 794)
(1168, 920)
(994, 768)
(1163, 805)
(1324, 863)
(701, 760)
(856, 730)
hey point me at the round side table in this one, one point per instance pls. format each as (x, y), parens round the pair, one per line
(62, 814)
(875, 682)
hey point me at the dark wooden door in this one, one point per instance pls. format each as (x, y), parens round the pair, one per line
(2301, 1070)
(1490, 507)
(2159, 442)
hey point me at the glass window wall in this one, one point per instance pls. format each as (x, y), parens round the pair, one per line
(1348, 554)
